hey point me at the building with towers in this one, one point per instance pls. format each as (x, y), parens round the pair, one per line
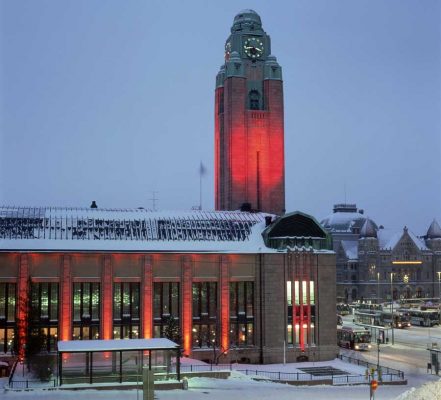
(376, 264)
(256, 285)
(249, 133)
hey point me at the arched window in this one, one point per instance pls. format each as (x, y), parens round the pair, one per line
(254, 98)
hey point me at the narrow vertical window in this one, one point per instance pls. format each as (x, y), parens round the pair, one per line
(297, 294)
(311, 292)
(288, 293)
(304, 293)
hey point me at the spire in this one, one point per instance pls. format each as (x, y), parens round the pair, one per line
(368, 229)
(434, 231)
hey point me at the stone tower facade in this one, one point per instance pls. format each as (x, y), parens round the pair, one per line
(249, 129)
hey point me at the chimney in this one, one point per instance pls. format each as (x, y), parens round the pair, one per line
(245, 207)
(93, 205)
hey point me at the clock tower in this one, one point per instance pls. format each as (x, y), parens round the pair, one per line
(249, 133)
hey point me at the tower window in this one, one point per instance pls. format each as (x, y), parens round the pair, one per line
(254, 98)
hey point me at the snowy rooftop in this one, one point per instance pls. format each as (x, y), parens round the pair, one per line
(97, 229)
(81, 346)
(387, 239)
(350, 248)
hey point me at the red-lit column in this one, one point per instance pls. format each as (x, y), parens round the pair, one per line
(187, 301)
(147, 296)
(107, 289)
(66, 299)
(23, 303)
(307, 277)
(224, 303)
(273, 179)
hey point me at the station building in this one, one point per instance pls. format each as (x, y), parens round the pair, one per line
(242, 286)
(376, 264)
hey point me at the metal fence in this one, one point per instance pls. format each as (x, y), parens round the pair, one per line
(32, 384)
(385, 370)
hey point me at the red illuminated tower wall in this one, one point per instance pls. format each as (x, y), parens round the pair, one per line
(249, 133)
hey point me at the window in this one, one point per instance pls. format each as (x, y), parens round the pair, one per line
(242, 314)
(86, 310)
(44, 313)
(204, 314)
(7, 316)
(254, 100)
(165, 305)
(126, 310)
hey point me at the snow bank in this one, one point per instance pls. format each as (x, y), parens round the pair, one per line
(429, 391)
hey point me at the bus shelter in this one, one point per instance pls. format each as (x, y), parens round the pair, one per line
(116, 361)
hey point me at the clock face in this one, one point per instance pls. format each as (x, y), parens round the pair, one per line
(253, 48)
(227, 51)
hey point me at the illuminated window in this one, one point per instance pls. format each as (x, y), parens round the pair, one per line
(296, 292)
(126, 310)
(242, 314)
(86, 310)
(205, 314)
(44, 313)
(7, 316)
(311, 293)
(165, 306)
(304, 293)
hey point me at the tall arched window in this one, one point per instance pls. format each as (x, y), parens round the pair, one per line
(254, 98)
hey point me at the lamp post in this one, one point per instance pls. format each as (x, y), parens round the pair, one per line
(439, 285)
(378, 353)
(378, 287)
(392, 303)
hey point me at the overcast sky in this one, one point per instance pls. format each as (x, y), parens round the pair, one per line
(112, 100)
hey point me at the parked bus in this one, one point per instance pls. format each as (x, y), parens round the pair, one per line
(382, 318)
(399, 320)
(353, 338)
(422, 317)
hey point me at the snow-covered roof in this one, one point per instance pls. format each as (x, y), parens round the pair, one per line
(387, 239)
(343, 219)
(81, 346)
(96, 229)
(350, 248)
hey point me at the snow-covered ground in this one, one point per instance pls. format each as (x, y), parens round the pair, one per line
(409, 354)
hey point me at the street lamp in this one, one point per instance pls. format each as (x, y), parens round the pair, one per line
(378, 353)
(392, 303)
(378, 287)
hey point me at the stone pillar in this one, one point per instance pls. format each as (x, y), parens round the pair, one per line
(224, 303)
(147, 298)
(107, 292)
(66, 299)
(186, 304)
(23, 303)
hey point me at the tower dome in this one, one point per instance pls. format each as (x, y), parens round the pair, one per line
(368, 230)
(246, 20)
(434, 231)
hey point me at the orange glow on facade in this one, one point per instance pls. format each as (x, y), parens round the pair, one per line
(187, 301)
(147, 299)
(107, 283)
(225, 304)
(407, 262)
(66, 299)
(23, 300)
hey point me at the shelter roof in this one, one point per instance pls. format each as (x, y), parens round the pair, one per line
(82, 346)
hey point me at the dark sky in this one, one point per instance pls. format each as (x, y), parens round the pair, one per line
(111, 100)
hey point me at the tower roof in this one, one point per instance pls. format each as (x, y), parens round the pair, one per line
(434, 231)
(368, 229)
(246, 20)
